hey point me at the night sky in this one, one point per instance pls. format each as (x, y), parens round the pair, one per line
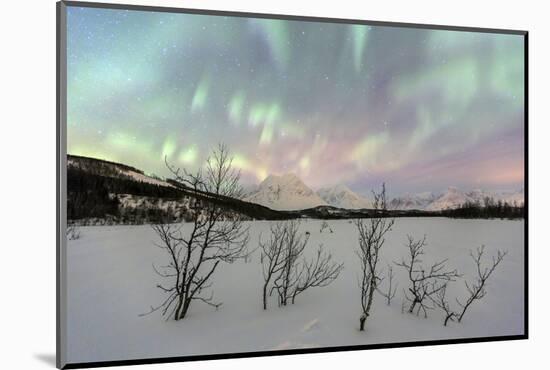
(333, 103)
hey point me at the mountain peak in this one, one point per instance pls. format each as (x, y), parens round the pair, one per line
(341, 188)
(342, 197)
(285, 192)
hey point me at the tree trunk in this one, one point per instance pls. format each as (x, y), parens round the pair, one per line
(370, 296)
(265, 296)
(178, 308)
(362, 321)
(185, 308)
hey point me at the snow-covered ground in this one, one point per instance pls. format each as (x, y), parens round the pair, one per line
(111, 282)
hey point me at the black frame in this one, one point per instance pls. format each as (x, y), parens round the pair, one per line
(61, 154)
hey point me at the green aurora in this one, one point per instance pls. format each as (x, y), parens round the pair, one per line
(334, 103)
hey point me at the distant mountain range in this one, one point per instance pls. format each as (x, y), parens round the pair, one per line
(288, 192)
(101, 192)
(453, 198)
(413, 201)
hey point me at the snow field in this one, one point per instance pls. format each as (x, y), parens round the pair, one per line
(111, 282)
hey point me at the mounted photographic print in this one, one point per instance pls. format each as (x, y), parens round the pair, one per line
(235, 184)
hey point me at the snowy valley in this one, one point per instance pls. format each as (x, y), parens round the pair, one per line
(115, 268)
(111, 282)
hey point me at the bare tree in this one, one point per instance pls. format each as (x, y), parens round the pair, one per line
(440, 300)
(319, 272)
(424, 282)
(477, 289)
(372, 233)
(272, 256)
(293, 248)
(216, 235)
(389, 294)
(286, 271)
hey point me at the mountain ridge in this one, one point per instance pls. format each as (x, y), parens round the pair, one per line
(288, 192)
(285, 192)
(343, 197)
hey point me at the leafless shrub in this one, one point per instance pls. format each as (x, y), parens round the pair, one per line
(214, 238)
(318, 272)
(286, 271)
(389, 293)
(424, 282)
(372, 233)
(477, 289)
(440, 300)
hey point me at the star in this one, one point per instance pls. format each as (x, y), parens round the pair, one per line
(454, 100)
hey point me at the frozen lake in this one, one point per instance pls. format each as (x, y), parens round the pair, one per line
(111, 281)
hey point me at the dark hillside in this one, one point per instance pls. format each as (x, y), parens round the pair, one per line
(104, 190)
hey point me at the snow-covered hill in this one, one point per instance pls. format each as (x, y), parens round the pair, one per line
(342, 197)
(479, 196)
(286, 192)
(413, 201)
(514, 197)
(453, 198)
(112, 169)
(289, 193)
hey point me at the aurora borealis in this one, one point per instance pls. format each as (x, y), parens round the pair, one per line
(334, 103)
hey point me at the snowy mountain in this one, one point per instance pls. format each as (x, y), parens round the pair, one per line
(249, 189)
(478, 195)
(342, 197)
(516, 197)
(103, 192)
(286, 192)
(453, 198)
(289, 193)
(413, 201)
